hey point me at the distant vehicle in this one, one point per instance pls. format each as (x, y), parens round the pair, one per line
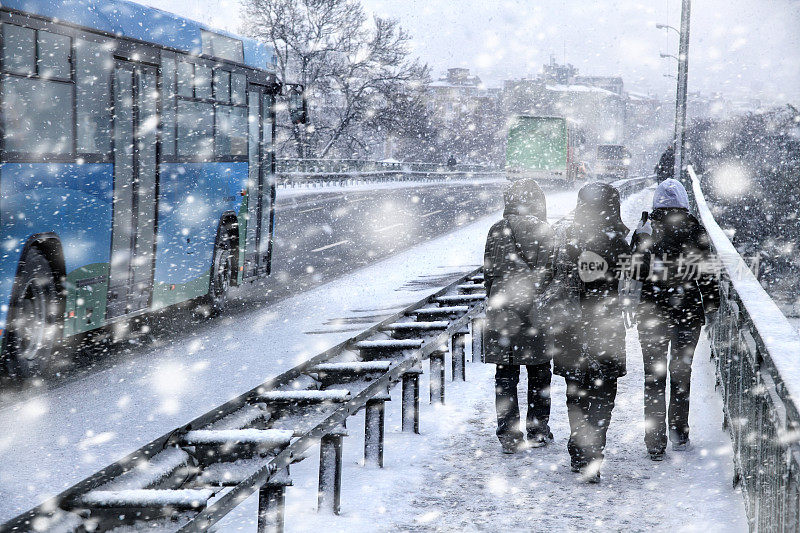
(613, 161)
(541, 148)
(584, 170)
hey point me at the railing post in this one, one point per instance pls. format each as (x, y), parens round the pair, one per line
(330, 472)
(459, 355)
(478, 326)
(374, 416)
(437, 376)
(272, 504)
(411, 401)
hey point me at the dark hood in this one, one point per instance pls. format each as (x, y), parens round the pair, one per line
(598, 209)
(525, 198)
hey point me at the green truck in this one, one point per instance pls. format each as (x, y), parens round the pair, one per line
(541, 148)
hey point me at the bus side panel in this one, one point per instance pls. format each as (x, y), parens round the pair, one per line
(192, 199)
(75, 203)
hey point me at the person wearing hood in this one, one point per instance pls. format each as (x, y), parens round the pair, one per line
(679, 292)
(587, 335)
(516, 262)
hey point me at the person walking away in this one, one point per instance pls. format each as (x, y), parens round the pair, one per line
(585, 321)
(679, 292)
(665, 168)
(516, 266)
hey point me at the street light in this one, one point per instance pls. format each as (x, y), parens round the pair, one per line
(663, 55)
(670, 76)
(680, 100)
(667, 27)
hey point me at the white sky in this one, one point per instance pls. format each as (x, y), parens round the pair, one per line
(742, 48)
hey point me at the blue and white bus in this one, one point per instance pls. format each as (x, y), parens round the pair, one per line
(136, 167)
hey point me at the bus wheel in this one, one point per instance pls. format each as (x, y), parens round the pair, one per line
(32, 319)
(222, 272)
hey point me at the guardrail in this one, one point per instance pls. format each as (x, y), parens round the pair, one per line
(629, 186)
(757, 353)
(293, 173)
(340, 166)
(190, 478)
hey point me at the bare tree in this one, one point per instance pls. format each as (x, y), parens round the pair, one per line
(351, 66)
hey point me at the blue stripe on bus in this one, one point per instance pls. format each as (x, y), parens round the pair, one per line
(192, 199)
(129, 19)
(73, 201)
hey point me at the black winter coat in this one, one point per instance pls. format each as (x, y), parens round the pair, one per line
(516, 269)
(666, 165)
(675, 264)
(587, 333)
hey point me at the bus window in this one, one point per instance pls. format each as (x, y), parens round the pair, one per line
(222, 130)
(185, 79)
(239, 131)
(93, 64)
(37, 116)
(196, 130)
(19, 50)
(202, 82)
(222, 46)
(222, 86)
(238, 85)
(168, 114)
(231, 131)
(54, 55)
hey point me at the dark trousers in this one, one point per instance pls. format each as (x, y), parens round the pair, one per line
(590, 401)
(537, 420)
(668, 339)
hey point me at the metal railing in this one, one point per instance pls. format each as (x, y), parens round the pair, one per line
(338, 166)
(757, 354)
(190, 478)
(292, 173)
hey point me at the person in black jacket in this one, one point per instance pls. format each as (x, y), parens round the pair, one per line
(516, 264)
(585, 320)
(679, 291)
(665, 168)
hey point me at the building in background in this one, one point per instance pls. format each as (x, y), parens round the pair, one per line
(455, 96)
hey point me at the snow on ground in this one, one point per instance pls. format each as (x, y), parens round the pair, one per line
(58, 436)
(453, 476)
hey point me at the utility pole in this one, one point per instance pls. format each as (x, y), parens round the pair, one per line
(680, 100)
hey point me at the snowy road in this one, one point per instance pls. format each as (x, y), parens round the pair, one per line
(60, 435)
(453, 477)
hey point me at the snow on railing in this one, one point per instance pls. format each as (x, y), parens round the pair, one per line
(757, 354)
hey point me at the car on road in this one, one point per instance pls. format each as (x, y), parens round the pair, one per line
(613, 161)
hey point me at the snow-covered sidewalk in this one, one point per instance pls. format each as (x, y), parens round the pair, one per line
(453, 476)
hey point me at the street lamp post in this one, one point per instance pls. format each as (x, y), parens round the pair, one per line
(667, 27)
(680, 100)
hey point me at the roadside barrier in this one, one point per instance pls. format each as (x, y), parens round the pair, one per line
(756, 351)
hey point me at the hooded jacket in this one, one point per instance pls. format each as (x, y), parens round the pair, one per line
(587, 333)
(666, 165)
(516, 268)
(675, 260)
